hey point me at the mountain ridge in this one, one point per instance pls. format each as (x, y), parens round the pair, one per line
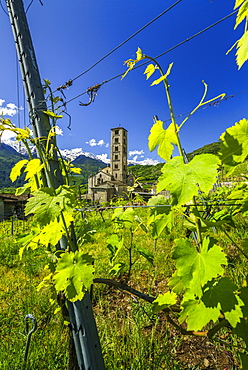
(88, 162)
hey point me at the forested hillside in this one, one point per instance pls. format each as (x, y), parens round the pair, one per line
(8, 157)
(90, 166)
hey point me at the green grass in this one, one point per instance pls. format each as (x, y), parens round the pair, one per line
(132, 337)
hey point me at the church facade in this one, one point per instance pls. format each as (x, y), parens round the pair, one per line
(112, 181)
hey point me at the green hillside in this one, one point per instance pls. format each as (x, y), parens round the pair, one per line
(89, 166)
(147, 173)
(212, 148)
(8, 158)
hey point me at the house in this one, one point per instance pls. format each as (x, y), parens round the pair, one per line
(112, 181)
(12, 205)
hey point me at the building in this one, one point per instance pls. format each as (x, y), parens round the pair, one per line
(12, 206)
(112, 181)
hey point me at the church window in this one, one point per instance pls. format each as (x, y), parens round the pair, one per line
(116, 157)
(116, 166)
(116, 132)
(116, 140)
(116, 148)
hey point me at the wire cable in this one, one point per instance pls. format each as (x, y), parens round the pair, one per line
(125, 41)
(162, 54)
(31, 2)
(3, 8)
(213, 104)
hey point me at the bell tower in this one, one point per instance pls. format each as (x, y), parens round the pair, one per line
(118, 155)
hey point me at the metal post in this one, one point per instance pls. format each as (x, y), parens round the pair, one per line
(84, 328)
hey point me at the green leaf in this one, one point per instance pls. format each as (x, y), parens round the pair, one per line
(234, 144)
(242, 49)
(52, 114)
(242, 330)
(161, 217)
(195, 269)
(244, 360)
(159, 201)
(33, 168)
(150, 69)
(164, 77)
(236, 314)
(46, 206)
(164, 300)
(124, 218)
(139, 54)
(242, 13)
(22, 134)
(162, 138)
(184, 180)
(117, 268)
(165, 221)
(238, 3)
(16, 170)
(244, 297)
(149, 256)
(114, 246)
(21, 190)
(221, 294)
(74, 274)
(197, 315)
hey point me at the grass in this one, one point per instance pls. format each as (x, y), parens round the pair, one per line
(132, 337)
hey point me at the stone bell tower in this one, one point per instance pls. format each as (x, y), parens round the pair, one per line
(118, 154)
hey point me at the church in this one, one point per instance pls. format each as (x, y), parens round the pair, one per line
(112, 182)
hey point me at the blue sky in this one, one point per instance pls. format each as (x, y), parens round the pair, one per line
(70, 36)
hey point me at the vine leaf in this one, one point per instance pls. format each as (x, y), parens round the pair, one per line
(159, 201)
(162, 78)
(242, 330)
(150, 69)
(16, 170)
(149, 256)
(164, 139)
(139, 54)
(33, 167)
(242, 49)
(160, 217)
(74, 274)
(124, 218)
(244, 360)
(197, 315)
(242, 13)
(195, 269)
(164, 300)
(51, 114)
(165, 221)
(234, 144)
(184, 180)
(114, 246)
(221, 294)
(46, 206)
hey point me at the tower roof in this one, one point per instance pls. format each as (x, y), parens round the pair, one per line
(118, 128)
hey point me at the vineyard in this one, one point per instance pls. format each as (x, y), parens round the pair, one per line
(167, 279)
(133, 334)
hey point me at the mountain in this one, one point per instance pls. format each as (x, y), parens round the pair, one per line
(90, 164)
(8, 157)
(212, 148)
(7, 151)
